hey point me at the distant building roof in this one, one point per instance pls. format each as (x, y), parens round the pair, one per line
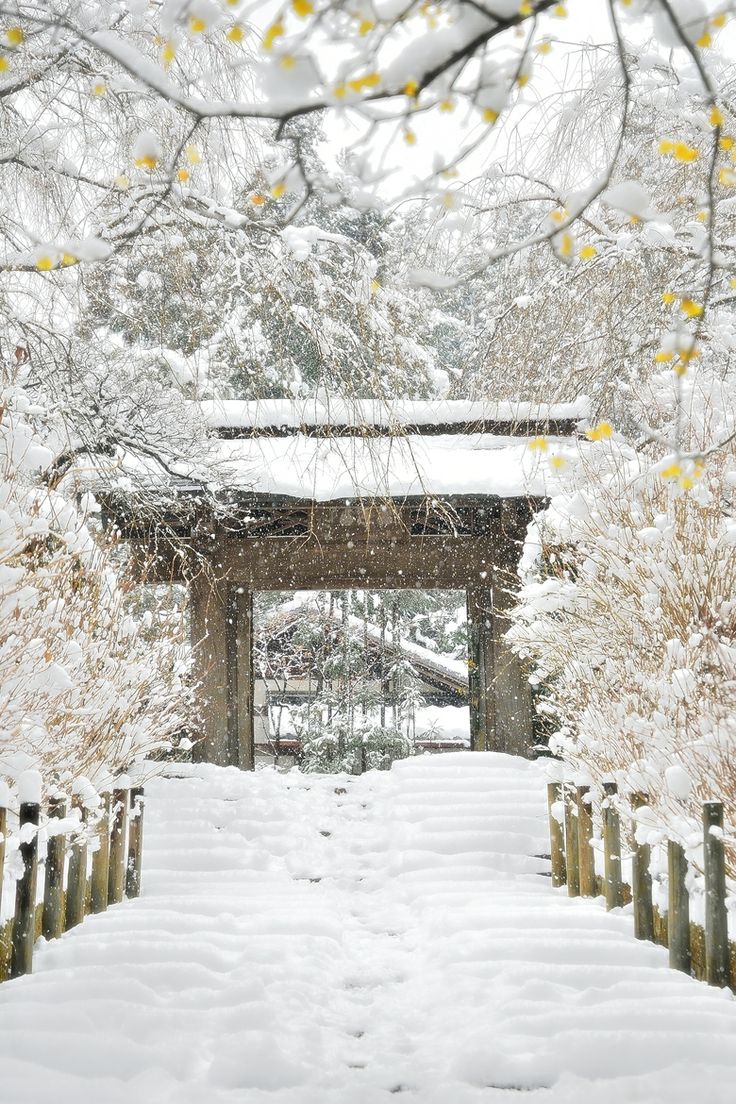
(450, 672)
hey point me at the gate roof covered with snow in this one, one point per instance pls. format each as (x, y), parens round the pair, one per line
(324, 494)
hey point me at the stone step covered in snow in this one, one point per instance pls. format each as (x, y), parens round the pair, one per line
(322, 940)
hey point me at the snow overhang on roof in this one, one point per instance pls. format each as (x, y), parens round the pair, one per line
(280, 453)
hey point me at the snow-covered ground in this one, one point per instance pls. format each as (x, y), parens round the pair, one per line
(308, 940)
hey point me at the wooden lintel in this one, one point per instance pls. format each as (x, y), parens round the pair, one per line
(425, 563)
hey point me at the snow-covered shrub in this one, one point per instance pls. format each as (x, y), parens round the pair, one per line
(84, 694)
(628, 614)
(335, 745)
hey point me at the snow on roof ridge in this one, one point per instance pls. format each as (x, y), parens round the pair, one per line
(326, 411)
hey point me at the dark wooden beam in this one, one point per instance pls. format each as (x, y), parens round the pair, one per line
(423, 563)
(559, 427)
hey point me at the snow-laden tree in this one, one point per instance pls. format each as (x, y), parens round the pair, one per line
(251, 314)
(86, 690)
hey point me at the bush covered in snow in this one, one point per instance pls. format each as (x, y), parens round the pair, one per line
(628, 613)
(84, 693)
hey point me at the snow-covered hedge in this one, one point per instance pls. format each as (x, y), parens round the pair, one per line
(84, 692)
(628, 615)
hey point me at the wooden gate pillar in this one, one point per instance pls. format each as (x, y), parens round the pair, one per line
(513, 706)
(480, 668)
(208, 616)
(240, 678)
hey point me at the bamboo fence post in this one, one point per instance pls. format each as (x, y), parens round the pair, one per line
(612, 849)
(586, 860)
(641, 879)
(76, 888)
(24, 924)
(555, 799)
(52, 924)
(101, 859)
(118, 848)
(717, 952)
(572, 851)
(135, 843)
(678, 912)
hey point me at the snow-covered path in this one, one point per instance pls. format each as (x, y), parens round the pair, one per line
(308, 940)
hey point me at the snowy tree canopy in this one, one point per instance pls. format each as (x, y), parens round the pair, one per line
(126, 111)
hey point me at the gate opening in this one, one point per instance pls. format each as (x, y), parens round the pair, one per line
(352, 680)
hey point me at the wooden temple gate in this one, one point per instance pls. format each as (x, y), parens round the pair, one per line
(342, 550)
(260, 541)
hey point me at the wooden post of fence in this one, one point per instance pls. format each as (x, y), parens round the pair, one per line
(717, 953)
(24, 924)
(118, 846)
(585, 848)
(555, 805)
(641, 880)
(52, 924)
(135, 844)
(101, 859)
(572, 851)
(614, 886)
(678, 911)
(76, 888)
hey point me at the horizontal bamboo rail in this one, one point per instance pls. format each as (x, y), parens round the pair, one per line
(704, 951)
(71, 890)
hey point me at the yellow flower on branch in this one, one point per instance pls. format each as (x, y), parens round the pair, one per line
(278, 190)
(691, 308)
(538, 444)
(197, 25)
(716, 117)
(673, 471)
(602, 432)
(45, 263)
(235, 33)
(679, 151)
(365, 27)
(370, 80)
(588, 252)
(14, 36)
(182, 176)
(302, 8)
(273, 32)
(489, 115)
